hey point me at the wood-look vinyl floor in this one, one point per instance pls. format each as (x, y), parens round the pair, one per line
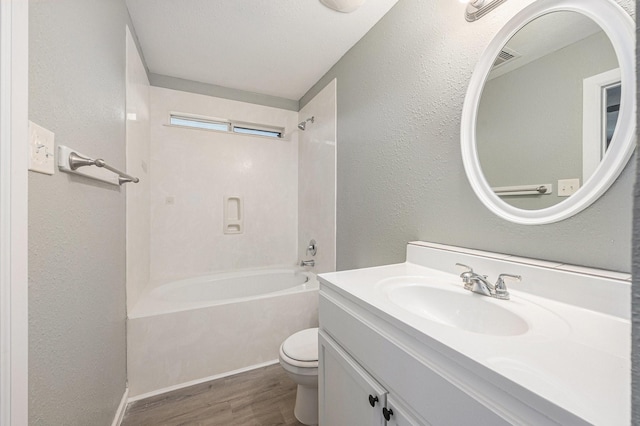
(261, 397)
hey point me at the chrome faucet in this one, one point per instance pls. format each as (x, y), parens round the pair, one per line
(501, 288)
(479, 284)
(312, 249)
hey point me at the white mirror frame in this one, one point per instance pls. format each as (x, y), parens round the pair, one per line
(620, 28)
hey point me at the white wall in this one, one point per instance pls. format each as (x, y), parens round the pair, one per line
(317, 179)
(194, 169)
(138, 195)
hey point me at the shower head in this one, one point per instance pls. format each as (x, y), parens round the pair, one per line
(303, 124)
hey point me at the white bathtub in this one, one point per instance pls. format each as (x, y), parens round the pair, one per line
(196, 329)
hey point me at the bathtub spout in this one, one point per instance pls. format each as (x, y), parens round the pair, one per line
(311, 263)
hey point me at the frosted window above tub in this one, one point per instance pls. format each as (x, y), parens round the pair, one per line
(257, 132)
(221, 125)
(199, 123)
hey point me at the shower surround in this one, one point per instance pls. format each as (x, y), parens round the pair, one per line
(286, 187)
(193, 170)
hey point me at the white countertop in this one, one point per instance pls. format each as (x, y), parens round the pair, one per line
(576, 358)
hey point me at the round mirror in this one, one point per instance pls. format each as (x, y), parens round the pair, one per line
(548, 122)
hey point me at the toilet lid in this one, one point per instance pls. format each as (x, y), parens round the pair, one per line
(302, 346)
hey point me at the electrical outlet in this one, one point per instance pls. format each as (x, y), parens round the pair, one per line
(567, 187)
(41, 152)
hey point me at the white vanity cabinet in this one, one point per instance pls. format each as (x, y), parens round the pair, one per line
(433, 353)
(399, 415)
(356, 361)
(351, 396)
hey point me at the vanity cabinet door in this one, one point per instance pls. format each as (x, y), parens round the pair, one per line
(348, 396)
(399, 415)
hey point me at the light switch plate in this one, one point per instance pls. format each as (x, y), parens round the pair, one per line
(567, 187)
(41, 152)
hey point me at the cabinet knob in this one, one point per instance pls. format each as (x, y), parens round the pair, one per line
(373, 400)
(387, 413)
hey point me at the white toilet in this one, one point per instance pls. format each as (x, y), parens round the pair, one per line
(299, 358)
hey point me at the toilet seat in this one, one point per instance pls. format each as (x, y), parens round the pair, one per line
(301, 349)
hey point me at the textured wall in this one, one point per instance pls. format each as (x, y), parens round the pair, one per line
(635, 288)
(77, 353)
(317, 180)
(400, 173)
(138, 159)
(197, 168)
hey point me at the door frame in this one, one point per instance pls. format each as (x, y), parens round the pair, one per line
(593, 125)
(14, 77)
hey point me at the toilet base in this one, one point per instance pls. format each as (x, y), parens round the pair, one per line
(306, 409)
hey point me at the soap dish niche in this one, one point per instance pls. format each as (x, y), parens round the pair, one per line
(233, 215)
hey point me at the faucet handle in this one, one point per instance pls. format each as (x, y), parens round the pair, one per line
(466, 275)
(501, 287)
(312, 248)
(469, 268)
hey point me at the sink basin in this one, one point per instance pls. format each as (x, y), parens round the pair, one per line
(453, 306)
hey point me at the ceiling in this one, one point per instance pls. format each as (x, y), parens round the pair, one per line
(272, 47)
(544, 35)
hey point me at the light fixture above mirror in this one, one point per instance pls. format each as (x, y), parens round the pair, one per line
(344, 6)
(557, 27)
(476, 9)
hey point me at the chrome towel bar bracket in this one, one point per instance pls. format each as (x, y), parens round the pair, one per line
(76, 160)
(70, 161)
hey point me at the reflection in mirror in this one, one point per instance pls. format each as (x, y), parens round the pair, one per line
(548, 108)
(611, 112)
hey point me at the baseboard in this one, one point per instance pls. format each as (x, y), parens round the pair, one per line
(121, 408)
(198, 381)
